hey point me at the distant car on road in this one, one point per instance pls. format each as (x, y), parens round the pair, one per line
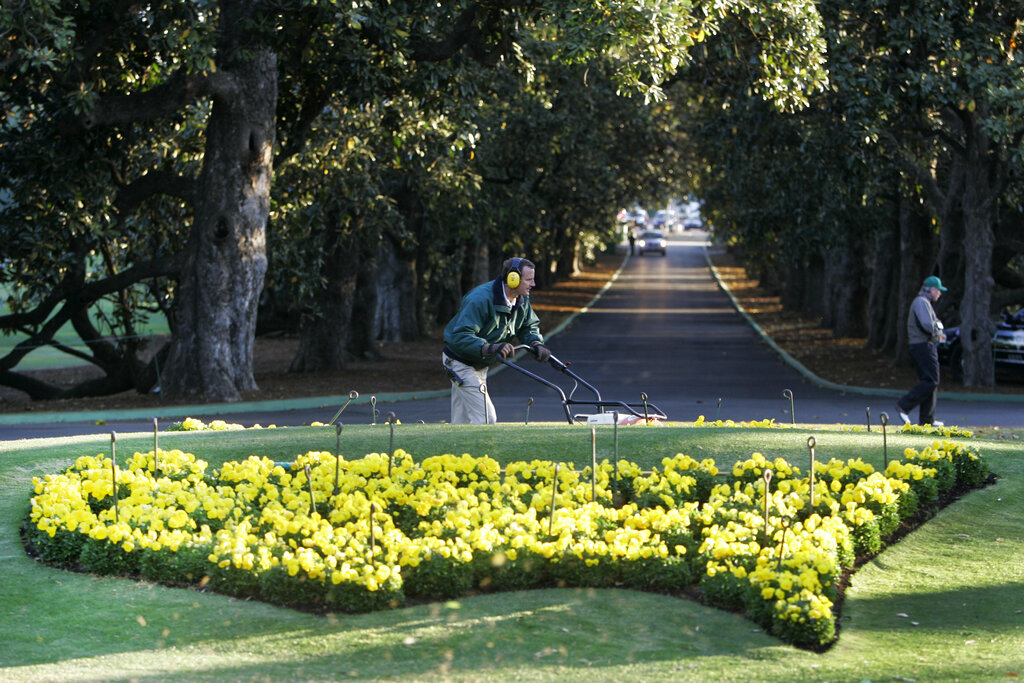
(692, 224)
(1007, 348)
(651, 240)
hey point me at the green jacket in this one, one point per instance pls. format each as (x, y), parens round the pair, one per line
(484, 318)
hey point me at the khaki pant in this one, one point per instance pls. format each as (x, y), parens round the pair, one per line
(470, 402)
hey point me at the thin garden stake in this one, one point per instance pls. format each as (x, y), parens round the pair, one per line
(373, 541)
(615, 442)
(767, 476)
(529, 402)
(782, 543)
(643, 397)
(373, 407)
(352, 395)
(554, 492)
(811, 443)
(156, 449)
(718, 408)
(309, 481)
(884, 419)
(788, 393)
(868, 409)
(113, 469)
(337, 460)
(593, 464)
(391, 439)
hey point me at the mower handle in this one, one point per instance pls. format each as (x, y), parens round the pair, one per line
(555, 363)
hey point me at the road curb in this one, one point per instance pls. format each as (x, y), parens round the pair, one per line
(826, 384)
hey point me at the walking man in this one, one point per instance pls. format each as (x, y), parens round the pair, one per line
(924, 330)
(480, 333)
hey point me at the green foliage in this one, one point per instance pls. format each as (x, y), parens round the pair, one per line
(391, 121)
(188, 565)
(724, 589)
(103, 558)
(912, 91)
(437, 578)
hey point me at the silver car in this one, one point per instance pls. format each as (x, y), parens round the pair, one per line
(651, 240)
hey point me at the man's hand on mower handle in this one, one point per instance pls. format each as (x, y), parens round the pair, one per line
(540, 351)
(503, 350)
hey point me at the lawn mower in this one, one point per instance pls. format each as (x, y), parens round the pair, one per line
(632, 412)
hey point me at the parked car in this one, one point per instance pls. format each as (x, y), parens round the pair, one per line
(651, 240)
(692, 224)
(1007, 348)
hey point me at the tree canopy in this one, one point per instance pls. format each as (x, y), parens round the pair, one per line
(173, 158)
(908, 165)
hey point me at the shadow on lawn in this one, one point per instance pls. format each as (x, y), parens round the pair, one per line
(992, 607)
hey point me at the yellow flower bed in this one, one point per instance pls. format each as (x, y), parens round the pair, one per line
(334, 534)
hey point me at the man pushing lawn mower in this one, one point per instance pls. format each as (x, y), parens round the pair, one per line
(480, 334)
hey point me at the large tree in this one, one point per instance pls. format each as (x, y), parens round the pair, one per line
(908, 163)
(139, 141)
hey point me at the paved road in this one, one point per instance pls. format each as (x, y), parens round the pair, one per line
(664, 329)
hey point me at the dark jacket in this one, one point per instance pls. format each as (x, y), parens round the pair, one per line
(484, 318)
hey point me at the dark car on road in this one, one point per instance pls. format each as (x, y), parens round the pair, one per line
(651, 240)
(1007, 348)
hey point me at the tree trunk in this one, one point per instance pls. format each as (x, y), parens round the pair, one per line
(397, 284)
(882, 298)
(211, 355)
(362, 342)
(917, 260)
(812, 304)
(979, 209)
(846, 301)
(324, 338)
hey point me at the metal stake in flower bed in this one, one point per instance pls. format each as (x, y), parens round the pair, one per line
(811, 443)
(788, 393)
(113, 469)
(643, 397)
(390, 420)
(593, 464)
(782, 543)
(554, 492)
(309, 482)
(373, 408)
(156, 449)
(615, 450)
(718, 408)
(352, 395)
(767, 476)
(373, 541)
(884, 419)
(337, 460)
(868, 409)
(529, 402)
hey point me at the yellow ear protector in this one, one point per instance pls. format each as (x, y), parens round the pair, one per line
(514, 276)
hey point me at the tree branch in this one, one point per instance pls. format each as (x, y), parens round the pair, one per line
(463, 32)
(76, 298)
(178, 92)
(130, 196)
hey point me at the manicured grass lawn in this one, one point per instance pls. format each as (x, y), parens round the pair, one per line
(945, 603)
(50, 357)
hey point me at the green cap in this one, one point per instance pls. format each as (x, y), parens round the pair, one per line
(935, 282)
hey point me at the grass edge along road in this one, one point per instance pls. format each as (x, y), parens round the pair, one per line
(945, 603)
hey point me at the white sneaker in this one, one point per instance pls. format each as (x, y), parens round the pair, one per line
(938, 423)
(903, 415)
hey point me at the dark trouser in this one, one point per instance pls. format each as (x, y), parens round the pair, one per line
(926, 393)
